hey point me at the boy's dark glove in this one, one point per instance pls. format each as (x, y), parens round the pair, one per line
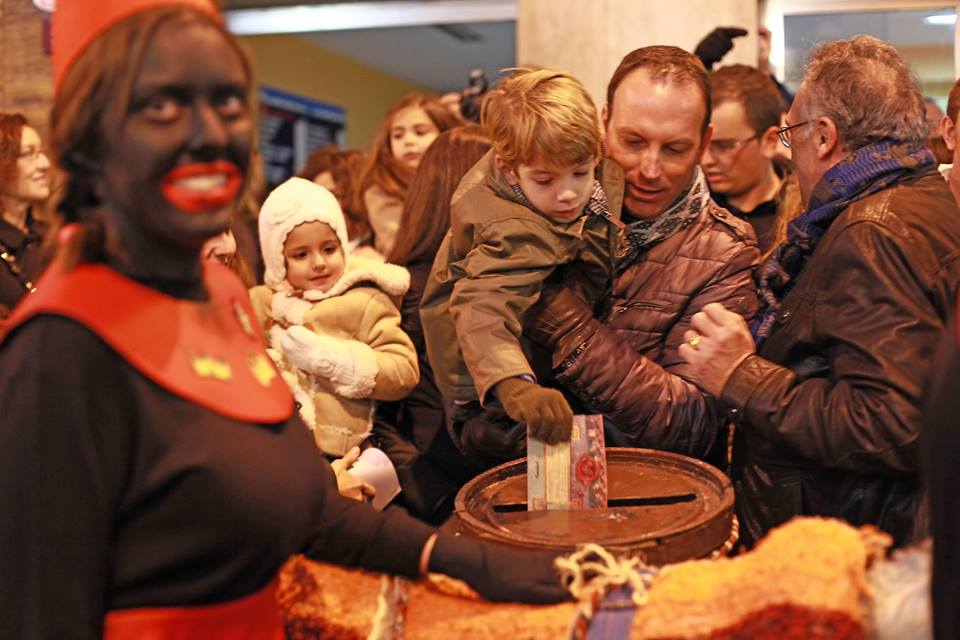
(558, 315)
(545, 412)
(716, 44)
(499, 573)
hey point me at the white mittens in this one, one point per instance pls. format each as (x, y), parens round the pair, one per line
(312, 352)
(349, 364)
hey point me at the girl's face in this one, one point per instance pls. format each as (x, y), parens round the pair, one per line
(32, 182)
(411, 132)
(313, 257)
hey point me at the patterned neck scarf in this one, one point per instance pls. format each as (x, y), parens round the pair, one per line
(865, 172)
(639, 235)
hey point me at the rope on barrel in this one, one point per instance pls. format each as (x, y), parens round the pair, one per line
(389, 619)
(592, 569)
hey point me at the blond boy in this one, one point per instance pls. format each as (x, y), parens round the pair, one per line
(529, 206)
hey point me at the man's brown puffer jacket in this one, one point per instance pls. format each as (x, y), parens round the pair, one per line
(629, 369)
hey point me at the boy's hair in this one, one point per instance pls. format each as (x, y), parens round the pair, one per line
(541, 115)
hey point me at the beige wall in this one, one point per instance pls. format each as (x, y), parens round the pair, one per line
(588, 39)
(296, 65)
(284, 62)
(26, 79)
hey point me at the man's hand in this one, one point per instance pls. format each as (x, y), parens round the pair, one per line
(718, 342)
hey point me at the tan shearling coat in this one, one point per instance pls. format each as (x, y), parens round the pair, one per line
(360, 311)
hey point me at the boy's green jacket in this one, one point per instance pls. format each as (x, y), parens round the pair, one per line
(491, 268)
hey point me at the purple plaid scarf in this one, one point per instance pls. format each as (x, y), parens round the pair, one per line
(866, 171)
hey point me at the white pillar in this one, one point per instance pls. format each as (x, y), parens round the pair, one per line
(589, 37)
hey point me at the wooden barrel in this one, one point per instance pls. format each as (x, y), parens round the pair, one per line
(662, 506)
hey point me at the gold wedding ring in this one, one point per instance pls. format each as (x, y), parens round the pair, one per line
(694, 342)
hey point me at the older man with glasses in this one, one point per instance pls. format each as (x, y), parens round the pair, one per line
(827, 381)
(742, 165)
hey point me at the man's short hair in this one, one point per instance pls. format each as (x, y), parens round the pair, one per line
(868, 90)
(539, 115)
(664, 64)
(753, 90)
(953, 101)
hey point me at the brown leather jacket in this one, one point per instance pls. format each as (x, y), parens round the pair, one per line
(831, 406)
(629, 369)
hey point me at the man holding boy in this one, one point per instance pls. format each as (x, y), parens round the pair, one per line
(678, 252)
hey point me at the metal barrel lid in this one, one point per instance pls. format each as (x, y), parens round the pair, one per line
(662, 506)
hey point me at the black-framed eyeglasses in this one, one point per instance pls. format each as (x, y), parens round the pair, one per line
(782, 132)
(728, 147)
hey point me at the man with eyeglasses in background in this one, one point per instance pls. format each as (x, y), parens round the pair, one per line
(746, 175)
(827, 380)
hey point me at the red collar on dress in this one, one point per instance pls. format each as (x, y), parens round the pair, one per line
(207, 352)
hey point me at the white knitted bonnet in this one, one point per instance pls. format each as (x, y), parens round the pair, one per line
(292, 203)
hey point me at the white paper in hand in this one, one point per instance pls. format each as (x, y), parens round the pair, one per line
(374, 467)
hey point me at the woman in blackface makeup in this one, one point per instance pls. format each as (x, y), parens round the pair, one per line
(153, 473)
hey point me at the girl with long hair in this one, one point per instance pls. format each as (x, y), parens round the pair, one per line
(407, 131)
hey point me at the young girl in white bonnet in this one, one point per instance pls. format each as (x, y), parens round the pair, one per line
(330, 318)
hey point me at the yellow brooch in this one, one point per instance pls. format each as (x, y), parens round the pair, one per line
(210, 367)
(261, 369)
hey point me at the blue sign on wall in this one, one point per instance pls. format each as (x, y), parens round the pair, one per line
(291, 127)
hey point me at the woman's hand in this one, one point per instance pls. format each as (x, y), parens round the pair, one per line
(496, 572)
(716, 345)
(348, 484)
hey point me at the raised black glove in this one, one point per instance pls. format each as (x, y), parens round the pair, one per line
(545, 412)
(716, 44)
(499, 573)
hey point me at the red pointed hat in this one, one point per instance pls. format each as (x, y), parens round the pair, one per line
(76, 23)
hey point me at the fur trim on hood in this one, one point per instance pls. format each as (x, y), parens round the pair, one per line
(393, 280)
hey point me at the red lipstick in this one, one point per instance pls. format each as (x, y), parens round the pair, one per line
(200, 187)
